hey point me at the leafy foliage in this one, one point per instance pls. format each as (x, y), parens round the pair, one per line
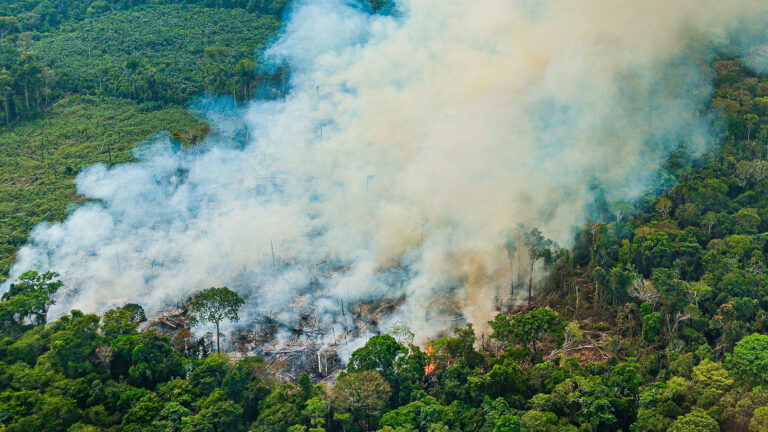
(47, 15)
(750, 359)
(166, 54)
(29, 298)
(214, 305)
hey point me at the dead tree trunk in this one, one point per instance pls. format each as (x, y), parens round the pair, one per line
(218, 346)
(530, 283)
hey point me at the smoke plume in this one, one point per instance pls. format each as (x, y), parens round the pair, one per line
(405, 151)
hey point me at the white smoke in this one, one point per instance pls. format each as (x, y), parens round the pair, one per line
(406, 149)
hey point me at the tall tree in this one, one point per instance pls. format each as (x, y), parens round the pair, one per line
(538, 248)
(214, 305)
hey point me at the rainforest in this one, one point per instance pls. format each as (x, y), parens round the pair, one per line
(383, 215)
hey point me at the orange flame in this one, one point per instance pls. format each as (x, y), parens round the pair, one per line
(430, 367)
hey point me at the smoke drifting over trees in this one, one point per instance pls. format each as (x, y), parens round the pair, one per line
(406, 150)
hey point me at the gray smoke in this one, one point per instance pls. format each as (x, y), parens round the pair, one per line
(407, 148)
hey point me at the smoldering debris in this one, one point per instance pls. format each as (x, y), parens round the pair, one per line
(303, 345)
(170, 321)
(295, 346)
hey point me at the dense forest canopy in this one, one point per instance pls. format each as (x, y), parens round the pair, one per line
(166, 54)
(44, 16)
(655, 320)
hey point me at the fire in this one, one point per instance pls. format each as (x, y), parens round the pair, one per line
(430, 367)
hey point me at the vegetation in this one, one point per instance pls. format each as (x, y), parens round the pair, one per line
(164, 54)
(29, 298)
(656, 319)
(42, 16)
(40, 158)
(214, 305)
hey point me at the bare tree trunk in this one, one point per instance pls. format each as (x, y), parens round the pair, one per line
(597, 294)
(218, 347)
(511, 292)
(530, 283)
(511, 280)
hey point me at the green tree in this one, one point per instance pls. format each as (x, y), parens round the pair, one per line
(316, 411)
(696, 421)
(214, 305)
(154, 361)
(33, 294)
(536, 421)
(122, 321)
(759, 422)
(73, 340)
(6, 92)
(750, 359)
(498, 417)
(379, 354)
(221, 413)
(279, 410)
(711, 381)
(751, 121)
(363, 394)
(144, 410)
(529, 328)
(170, 417)
(248, 383)
(209, 374)
(98, 7)
(507, 380)
(746, 221)
(245, 72)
